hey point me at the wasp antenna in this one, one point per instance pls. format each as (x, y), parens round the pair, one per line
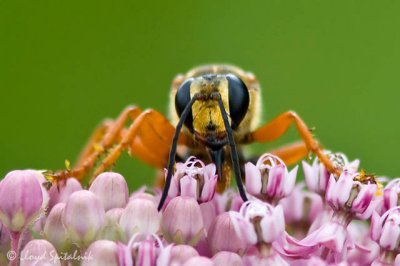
(172, 151)
(234, 154)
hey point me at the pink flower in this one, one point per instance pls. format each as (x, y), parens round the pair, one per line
(145, 249)
(269, 180)
(301, 207)
(140, 215)
(55, 230)
(385, 229)
(194, 179)
(61, 193)
(101, 253)
(112, 229)
(39, 252)
(176, 255)
(268, 221)
(365, 249)
(390, 197)
(224, 258)
(22, 199)
(317, 176)
(83, 216)
(112, 190)
(351, 193)
(182, 221)
(231, 232)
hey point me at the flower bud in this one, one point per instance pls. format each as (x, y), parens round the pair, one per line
(39, 252)
(269, 180)
(22, 199)
(182, 222)
(83, 217)
(112, 190)
(61, 193)
(224, 258)
(203, 261)
(54, 229)
(194, 179)
(140, 215)
(101, 252)
(181, 253)
(112, 230)
(231, 232)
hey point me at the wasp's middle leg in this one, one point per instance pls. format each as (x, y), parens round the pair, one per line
(280, 125)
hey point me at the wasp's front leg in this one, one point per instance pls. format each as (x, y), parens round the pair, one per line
(104, 136)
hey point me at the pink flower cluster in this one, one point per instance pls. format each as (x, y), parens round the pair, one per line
(349, 219)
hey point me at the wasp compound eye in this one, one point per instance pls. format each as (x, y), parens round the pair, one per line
(182, 98)
(238, 99)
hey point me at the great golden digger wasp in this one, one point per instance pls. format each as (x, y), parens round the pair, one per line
(214, 111)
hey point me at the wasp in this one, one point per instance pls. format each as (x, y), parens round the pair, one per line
(214, 111)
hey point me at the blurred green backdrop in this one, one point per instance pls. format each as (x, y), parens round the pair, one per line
(66, 65)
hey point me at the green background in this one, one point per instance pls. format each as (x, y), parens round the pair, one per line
(66, 65)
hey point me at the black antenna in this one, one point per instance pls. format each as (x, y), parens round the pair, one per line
(232, 145)
(172, 151)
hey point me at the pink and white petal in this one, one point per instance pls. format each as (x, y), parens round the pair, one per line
(390, 235)
(353, 166)
(364, 198)
(310, 176)
(290, 181)
(253, 179)
(164, 256)
(276, 180)
(209, 171)
(323, 179)
(316, 205)
(279, 218)
(331, 192)
(174, 187)
(376, 226)
(188, 187)
(373, 206)
(390, 198)
(343, 188)
(208, 190)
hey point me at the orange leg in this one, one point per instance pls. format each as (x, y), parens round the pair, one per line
(280, 125)
(149, 138)
(94, 140)
(101, 140)
(292, 153)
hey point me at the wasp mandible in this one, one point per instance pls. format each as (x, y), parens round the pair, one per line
(214, 111)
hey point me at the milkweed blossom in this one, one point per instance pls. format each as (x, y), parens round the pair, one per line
(350, 218)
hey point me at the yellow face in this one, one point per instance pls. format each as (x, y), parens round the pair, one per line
(207, 117)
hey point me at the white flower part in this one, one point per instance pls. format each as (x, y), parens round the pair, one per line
(394, 184)
(243, 228)
(268, 161)
(272, 221)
